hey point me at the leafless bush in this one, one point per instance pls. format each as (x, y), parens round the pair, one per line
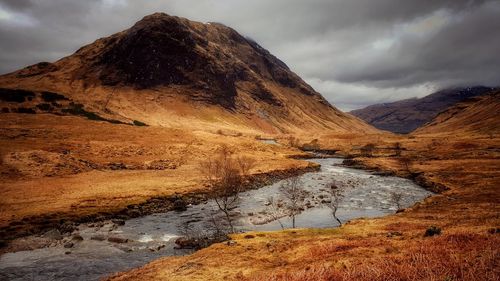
(225, 175)
(396, 199)
(274, 210)
(336, 197)
(397, 149)
(294, 195)
(201, 236)
(406, 162)
(368, 149)
(245, 164)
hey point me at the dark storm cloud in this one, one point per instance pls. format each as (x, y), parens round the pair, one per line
(16, 4)
(355, 52)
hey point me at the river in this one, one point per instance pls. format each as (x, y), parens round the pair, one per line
(153, 236)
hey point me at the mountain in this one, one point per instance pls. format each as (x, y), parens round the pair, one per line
(173, 72)
(477, 116)
(407, 115)
(130, 117)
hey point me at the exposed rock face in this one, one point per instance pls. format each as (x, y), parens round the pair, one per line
(407, 115)
(163, 63)
(161, 50)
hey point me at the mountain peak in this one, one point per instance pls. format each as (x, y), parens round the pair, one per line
(162, 50)
(163, 60)
(158, 20)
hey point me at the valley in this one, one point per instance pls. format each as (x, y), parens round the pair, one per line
(183, 150)
(153, 236)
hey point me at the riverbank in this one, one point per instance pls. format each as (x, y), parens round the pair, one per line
(452, 235)
(99, 249)
(65, 223)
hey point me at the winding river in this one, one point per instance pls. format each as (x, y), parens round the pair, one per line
(153, 236)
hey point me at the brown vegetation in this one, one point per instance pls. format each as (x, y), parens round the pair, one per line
(450, 236)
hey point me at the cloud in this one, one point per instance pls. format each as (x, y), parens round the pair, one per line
(354, 52)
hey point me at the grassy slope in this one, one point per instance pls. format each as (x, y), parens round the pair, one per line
(364, 249)
(74, 167)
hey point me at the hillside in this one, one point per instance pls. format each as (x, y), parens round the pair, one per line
(131, 116)
(172, 72)
(475, 116)
(407, 115)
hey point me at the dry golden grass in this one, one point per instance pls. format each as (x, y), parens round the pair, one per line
(388, 248)
(462, 256)
(53, 164)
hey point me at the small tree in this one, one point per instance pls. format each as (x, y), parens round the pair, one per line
(336, 196)
(294, 195)
(396, 199)
(274, 210)
(245, 164)
(406, 162)
(225, 175)
(397, 149)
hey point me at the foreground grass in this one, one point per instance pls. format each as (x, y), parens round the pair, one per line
(460, 256)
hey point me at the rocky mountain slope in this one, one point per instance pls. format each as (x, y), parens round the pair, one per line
(407, 115)
(173, 72)
(477, 116)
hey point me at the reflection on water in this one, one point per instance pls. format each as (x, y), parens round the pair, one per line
(153, 236)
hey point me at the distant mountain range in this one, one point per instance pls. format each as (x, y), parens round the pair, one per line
(407, 115)
(478, 115)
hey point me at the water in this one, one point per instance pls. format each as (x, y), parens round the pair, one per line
(153, 236)
(269, 141)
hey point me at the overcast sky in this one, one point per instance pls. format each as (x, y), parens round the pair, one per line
(353, 52)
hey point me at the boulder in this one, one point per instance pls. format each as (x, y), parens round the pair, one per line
(188, 243)
(116, 239)
(77, 237)
(118, 221)
(53, 234)
(179, 205)
(98, 237)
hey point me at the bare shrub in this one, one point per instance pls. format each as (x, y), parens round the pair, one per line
(245, 164)
(397, 199)
(294, 194)
(406, 162)
(274, 210)
(202, 236)
(431, 231)
(336, 196)
(398, 148)
(226, 177)
(367, 150)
